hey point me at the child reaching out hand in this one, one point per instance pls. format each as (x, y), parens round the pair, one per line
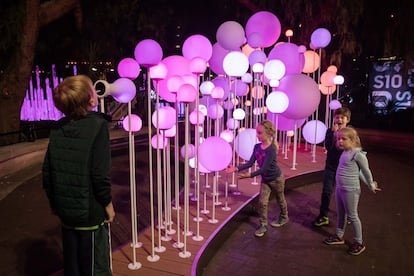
(272, 178)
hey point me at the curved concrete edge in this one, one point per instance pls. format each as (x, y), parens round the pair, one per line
(228, 226)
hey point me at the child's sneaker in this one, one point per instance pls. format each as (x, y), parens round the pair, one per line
(321, 221)
(261, 230)
(356, 249)
(334, 240)
(279, 222)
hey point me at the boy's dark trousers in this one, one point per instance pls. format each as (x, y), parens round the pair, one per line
(86, 252)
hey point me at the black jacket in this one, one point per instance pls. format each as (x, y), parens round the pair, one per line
(76, 170)
(332, 151)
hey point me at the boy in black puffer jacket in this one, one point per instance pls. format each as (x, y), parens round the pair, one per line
(76, 177)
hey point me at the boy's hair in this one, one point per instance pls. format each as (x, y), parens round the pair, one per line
(72, 96)
(344, 111)
(351, 133)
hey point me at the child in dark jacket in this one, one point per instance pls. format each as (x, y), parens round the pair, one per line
(342, 116)
(76, 178)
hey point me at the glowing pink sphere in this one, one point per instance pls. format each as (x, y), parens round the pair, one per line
(176, 66)
(215, 153)
(159, 142)
(290, 55)
(186, 93)
(216, 60)
(123, 90)
(198, 65)
(215, 111)
(174, 82)
(217, 92)
(283, 123)
(197, 46)
(255, 40)
(222, 82)
(191, 151)
(136, 123)
(166, 117)
(148, 53)
(257, 56)
(240, 88)
(193, 117)
(158, 72)
(233, 123)
(303, 93)
(171, 132)
(128, 68)
(230, 35)
(267, 25)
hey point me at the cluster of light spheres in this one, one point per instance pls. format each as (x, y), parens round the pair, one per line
(294, 96)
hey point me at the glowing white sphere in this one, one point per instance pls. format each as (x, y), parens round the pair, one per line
(227, 135)
(235, 64)
(247, 78)
(203, 109)
(257, 68)
(314, 132)
(274, 69)
(338, 80)
(277, 101)
(239, 114)
(244, 143)
(206, 87)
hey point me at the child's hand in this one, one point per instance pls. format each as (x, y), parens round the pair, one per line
(244, 175)
(230, 169)
(376, 188)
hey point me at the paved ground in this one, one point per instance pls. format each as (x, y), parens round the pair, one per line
(30, 235)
